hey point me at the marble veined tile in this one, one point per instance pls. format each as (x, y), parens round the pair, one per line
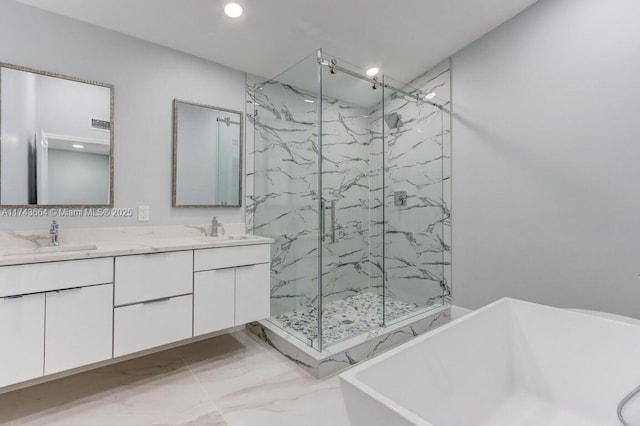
(233, 379)
(253, 384)
(157, 389)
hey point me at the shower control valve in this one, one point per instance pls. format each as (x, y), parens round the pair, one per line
(400, 198)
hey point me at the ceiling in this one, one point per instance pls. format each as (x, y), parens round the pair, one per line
(403, 38)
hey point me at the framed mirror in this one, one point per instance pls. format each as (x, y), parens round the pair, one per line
(207, 156)
(56, 140)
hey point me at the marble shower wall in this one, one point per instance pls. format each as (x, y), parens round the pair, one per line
(281, 193)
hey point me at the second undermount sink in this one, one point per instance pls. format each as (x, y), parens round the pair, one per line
(50, 249)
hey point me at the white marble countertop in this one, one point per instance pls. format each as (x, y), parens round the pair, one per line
(18, 248)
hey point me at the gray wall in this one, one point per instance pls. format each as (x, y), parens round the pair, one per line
(146, 77)
(546, 151)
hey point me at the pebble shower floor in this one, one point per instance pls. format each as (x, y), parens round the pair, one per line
(344, 318)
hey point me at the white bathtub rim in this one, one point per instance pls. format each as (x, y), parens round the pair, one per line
(351, 376)
(503, 301)
(607, 315)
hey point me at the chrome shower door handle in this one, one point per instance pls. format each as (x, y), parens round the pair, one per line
(322, 219)
(333, 221)
(332, 209)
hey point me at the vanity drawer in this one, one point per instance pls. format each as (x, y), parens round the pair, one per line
(146, 277)
(147, 325)
(227, 257)
(41, 277)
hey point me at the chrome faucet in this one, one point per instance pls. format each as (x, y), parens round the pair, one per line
(53, 231)
(215, 227)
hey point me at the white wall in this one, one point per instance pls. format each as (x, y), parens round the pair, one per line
(546, 159)
(147, 78)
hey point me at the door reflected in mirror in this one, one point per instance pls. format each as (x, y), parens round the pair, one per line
(56, 139)
(207, 152)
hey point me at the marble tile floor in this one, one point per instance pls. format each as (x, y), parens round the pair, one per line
(234, 379)
(348, 317)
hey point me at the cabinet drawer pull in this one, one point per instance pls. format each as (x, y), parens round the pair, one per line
(67, 289)
(17, 296)
(164, 299)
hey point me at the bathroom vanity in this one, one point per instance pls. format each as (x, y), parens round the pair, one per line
(67, 310)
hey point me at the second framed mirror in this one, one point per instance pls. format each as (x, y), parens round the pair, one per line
(207, 155)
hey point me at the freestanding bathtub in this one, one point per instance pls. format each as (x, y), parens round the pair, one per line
(511, 363)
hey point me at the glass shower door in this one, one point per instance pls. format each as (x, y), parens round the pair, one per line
(351, 209)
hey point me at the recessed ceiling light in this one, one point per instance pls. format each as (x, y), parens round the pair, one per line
(77, 146)
(233, 10)
(430, 95)
(372, 71)
(309, 101)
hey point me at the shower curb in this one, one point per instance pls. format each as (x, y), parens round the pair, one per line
(345, 354)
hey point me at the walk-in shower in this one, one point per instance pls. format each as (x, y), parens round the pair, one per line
(348, 181)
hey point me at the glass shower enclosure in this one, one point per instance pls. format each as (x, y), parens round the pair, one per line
(348, 182)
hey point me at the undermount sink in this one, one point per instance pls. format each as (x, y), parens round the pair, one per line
(50, 249)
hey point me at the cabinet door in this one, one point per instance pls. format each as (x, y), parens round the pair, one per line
(253, 293)
(22, 337)
(79, 327)
(213, 300)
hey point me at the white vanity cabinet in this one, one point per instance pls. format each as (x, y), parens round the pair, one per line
(59, 315)
(54, 316)
(231, 287)
(153, 298)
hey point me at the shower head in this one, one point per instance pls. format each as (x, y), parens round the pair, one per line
(393, 120)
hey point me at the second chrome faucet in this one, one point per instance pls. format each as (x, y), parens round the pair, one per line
(216, 227)
(53, 232)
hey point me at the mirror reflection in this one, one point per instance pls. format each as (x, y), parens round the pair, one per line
(207, 150)
(55, 139)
